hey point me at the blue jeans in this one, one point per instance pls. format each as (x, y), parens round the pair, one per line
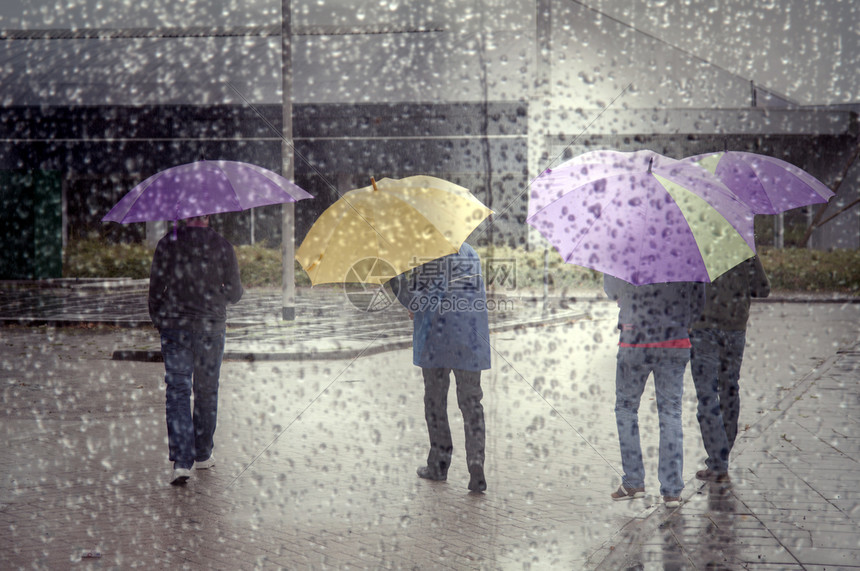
(716, 366)
(634, 366)
(192, 365)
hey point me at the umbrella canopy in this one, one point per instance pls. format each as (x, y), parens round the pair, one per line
(641, 217)
(374, 233)
(203, 187)
(767, 184)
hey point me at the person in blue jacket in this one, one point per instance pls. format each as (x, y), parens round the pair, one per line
(447, 300)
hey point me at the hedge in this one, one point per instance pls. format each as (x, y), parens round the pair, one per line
(791, 269)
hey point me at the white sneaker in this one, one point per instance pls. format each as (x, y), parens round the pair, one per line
(672, 501)
(205, 464)
(180, 476)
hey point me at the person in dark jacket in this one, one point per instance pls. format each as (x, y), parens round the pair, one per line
(447, 300)
(654, 320)
(718, 338)
(194, 276)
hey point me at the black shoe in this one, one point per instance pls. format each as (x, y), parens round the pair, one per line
(477, 483)
(428, 474)
(180, 476)
(709, 475)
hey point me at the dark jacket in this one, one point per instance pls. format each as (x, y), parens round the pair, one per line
(194, 276)
(653, 313)
(451, 325)
(727, 298)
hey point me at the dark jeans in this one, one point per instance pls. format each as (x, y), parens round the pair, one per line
(634, 366)
(469, 395)
(192, 365)
(716, 366)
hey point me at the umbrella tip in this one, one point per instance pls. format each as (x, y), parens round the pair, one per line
(650, 162)
(373, 182)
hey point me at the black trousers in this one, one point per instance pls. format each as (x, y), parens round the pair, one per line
(469, 395)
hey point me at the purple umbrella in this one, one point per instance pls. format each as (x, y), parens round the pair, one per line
(641, 217)
(768, 185)
(203, 187)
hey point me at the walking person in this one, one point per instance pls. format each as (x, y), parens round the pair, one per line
(447, 301)
(194, 276)
(654, 320)
(718, 340)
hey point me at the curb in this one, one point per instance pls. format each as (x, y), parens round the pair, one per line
(77, 283)
(154, 355)
(67, 322)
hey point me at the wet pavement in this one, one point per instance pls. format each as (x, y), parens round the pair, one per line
(321, 429)
(331, 322)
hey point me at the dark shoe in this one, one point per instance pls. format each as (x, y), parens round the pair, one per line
(709, 475)
(623, 493)
(428, 474)
(672, 501)
(180, 476)
(477, 482)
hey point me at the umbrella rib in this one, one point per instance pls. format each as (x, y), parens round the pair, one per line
(583, 234)
(796, 177)
(408, 203)
(413, 214)
(136, 198)
(710, 210)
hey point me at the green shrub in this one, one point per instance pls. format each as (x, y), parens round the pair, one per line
(531, 267)
(259, 266)
(795, 269)
(95, 259)
(790, 269)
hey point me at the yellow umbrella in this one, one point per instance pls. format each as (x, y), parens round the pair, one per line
(374, 233)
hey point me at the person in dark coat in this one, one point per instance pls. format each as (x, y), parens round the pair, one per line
(654, 320)
(718, 338)
(194, 276)
(448, 303)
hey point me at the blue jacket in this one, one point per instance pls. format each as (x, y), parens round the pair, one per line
(653, 313)
(451, 324)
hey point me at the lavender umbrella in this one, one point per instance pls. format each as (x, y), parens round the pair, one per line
(203, 187)
(767, 184)
(641, 217)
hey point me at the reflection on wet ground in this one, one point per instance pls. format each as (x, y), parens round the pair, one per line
(702, 535)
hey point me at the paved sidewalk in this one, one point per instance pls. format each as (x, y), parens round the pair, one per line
(794, 499)
(793, 502)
